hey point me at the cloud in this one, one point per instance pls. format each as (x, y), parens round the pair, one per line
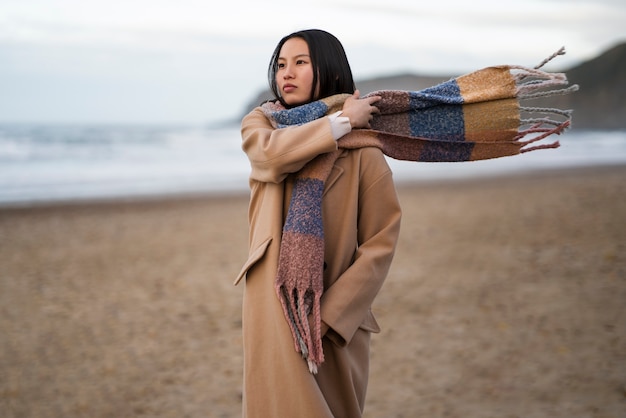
(190, 60)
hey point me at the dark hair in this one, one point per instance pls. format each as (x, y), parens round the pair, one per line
(331, 70)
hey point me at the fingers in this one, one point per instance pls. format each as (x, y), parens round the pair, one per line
(374, 110)
(369, 100)
(373, 99)
(361, 111)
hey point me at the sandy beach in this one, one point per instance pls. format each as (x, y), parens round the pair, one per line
(507, 298)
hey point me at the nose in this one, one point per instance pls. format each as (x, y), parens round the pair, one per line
(287, 73)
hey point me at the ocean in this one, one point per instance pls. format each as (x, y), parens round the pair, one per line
(52, 163)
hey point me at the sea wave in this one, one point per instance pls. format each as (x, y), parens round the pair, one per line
(41, 163)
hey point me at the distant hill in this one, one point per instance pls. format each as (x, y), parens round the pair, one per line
(599, 104)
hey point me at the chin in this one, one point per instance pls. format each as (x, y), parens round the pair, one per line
(294, 103)
(295, 100)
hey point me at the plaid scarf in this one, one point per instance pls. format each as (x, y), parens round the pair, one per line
(473, 117)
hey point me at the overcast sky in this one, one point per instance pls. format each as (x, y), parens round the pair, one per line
(197, 61)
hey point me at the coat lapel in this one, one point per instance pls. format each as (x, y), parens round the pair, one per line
(334, 175)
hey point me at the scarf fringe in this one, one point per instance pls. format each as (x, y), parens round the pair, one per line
(307, 340)
(563, 112)
(560, 51)
(543, 132)
(528, 91)
(540, 80)
(541, 84)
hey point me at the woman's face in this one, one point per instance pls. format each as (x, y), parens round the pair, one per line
(294, 75)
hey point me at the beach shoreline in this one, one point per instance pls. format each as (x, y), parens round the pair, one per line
(505, 298)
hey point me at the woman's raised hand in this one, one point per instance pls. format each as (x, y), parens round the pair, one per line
(360, 111)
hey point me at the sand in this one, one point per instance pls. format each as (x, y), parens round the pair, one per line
(507, 298)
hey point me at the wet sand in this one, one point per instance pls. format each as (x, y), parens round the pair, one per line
(507, 298)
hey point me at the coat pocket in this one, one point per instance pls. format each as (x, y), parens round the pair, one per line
(370, 324)
(254, 256)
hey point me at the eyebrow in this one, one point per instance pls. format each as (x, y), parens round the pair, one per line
(297, 56)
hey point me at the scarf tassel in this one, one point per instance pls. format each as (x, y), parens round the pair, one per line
(307, 341)
(300, 293)
(543, 133)
(540, 80)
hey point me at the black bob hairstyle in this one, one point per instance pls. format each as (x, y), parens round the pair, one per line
(331, 70)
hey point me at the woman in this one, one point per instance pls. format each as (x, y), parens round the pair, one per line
(361, 220)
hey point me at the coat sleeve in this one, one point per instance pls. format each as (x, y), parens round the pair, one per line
(347, 302)
(275, 153)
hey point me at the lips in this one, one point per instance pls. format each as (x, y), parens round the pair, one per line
(288, 88)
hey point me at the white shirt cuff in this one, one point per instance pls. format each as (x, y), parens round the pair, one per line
(339, 125)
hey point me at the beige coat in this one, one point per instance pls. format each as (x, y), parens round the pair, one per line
(361, 217)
